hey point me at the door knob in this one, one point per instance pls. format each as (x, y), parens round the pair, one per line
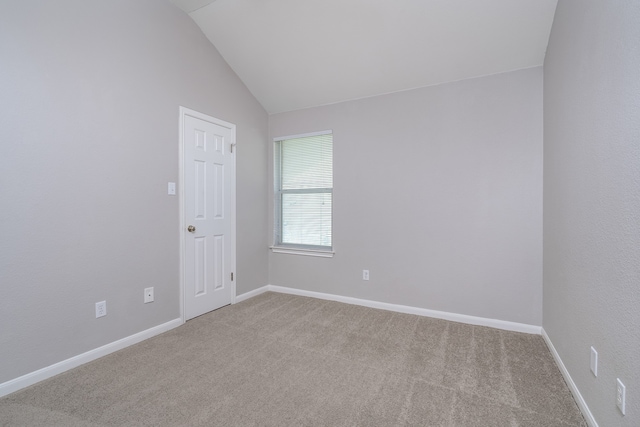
(191, 229)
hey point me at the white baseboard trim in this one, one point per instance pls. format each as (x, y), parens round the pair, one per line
(252, 294)
(461, 318)
(588, 416)
(75, 361)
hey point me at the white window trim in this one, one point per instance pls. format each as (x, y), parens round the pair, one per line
(296, 250)
(302, 135)
(299, 251)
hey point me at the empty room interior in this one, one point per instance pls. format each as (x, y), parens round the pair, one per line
(337, 212)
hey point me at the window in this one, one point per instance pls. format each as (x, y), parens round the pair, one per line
(303, 181)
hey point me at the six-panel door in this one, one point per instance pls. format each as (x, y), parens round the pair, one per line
(207, 183)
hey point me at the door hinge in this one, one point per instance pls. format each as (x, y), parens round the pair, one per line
(232, 277)
(231, 146)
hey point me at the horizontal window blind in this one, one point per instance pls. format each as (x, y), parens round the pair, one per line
(304, 191)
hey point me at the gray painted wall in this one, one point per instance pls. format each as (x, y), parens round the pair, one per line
(438, 192)
(592, 199)
(89, 131)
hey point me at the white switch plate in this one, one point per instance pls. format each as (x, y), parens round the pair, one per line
(365, 274)
(621, 392)
(101, 309)
(594, 362)
(148, 295)
(171, 188)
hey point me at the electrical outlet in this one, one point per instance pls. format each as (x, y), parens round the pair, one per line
(621, 392)
(148, 295)
(101, 309)
(594, 362)
(365, 274)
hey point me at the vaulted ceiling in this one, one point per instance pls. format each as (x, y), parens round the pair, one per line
(294, 54)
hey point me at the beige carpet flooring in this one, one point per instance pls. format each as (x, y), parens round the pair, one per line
(283, 360)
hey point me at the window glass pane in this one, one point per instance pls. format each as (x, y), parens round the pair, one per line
(303, 181)
(306, 219)
(307, 162)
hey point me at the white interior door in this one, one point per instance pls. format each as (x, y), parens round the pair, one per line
(208, 214)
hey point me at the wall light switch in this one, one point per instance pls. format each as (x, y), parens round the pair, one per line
(594, 362)
(621, 392)
(365, 274)
(148, 295)
(171, 188)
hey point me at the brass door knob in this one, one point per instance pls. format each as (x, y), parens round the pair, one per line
(191, 229)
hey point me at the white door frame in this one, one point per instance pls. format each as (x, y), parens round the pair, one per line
(181, 191)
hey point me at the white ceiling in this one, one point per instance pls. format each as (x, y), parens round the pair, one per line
(293, 54)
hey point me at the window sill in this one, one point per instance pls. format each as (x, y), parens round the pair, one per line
(298, 251)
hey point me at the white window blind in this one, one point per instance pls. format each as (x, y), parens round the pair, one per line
(304, 190)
